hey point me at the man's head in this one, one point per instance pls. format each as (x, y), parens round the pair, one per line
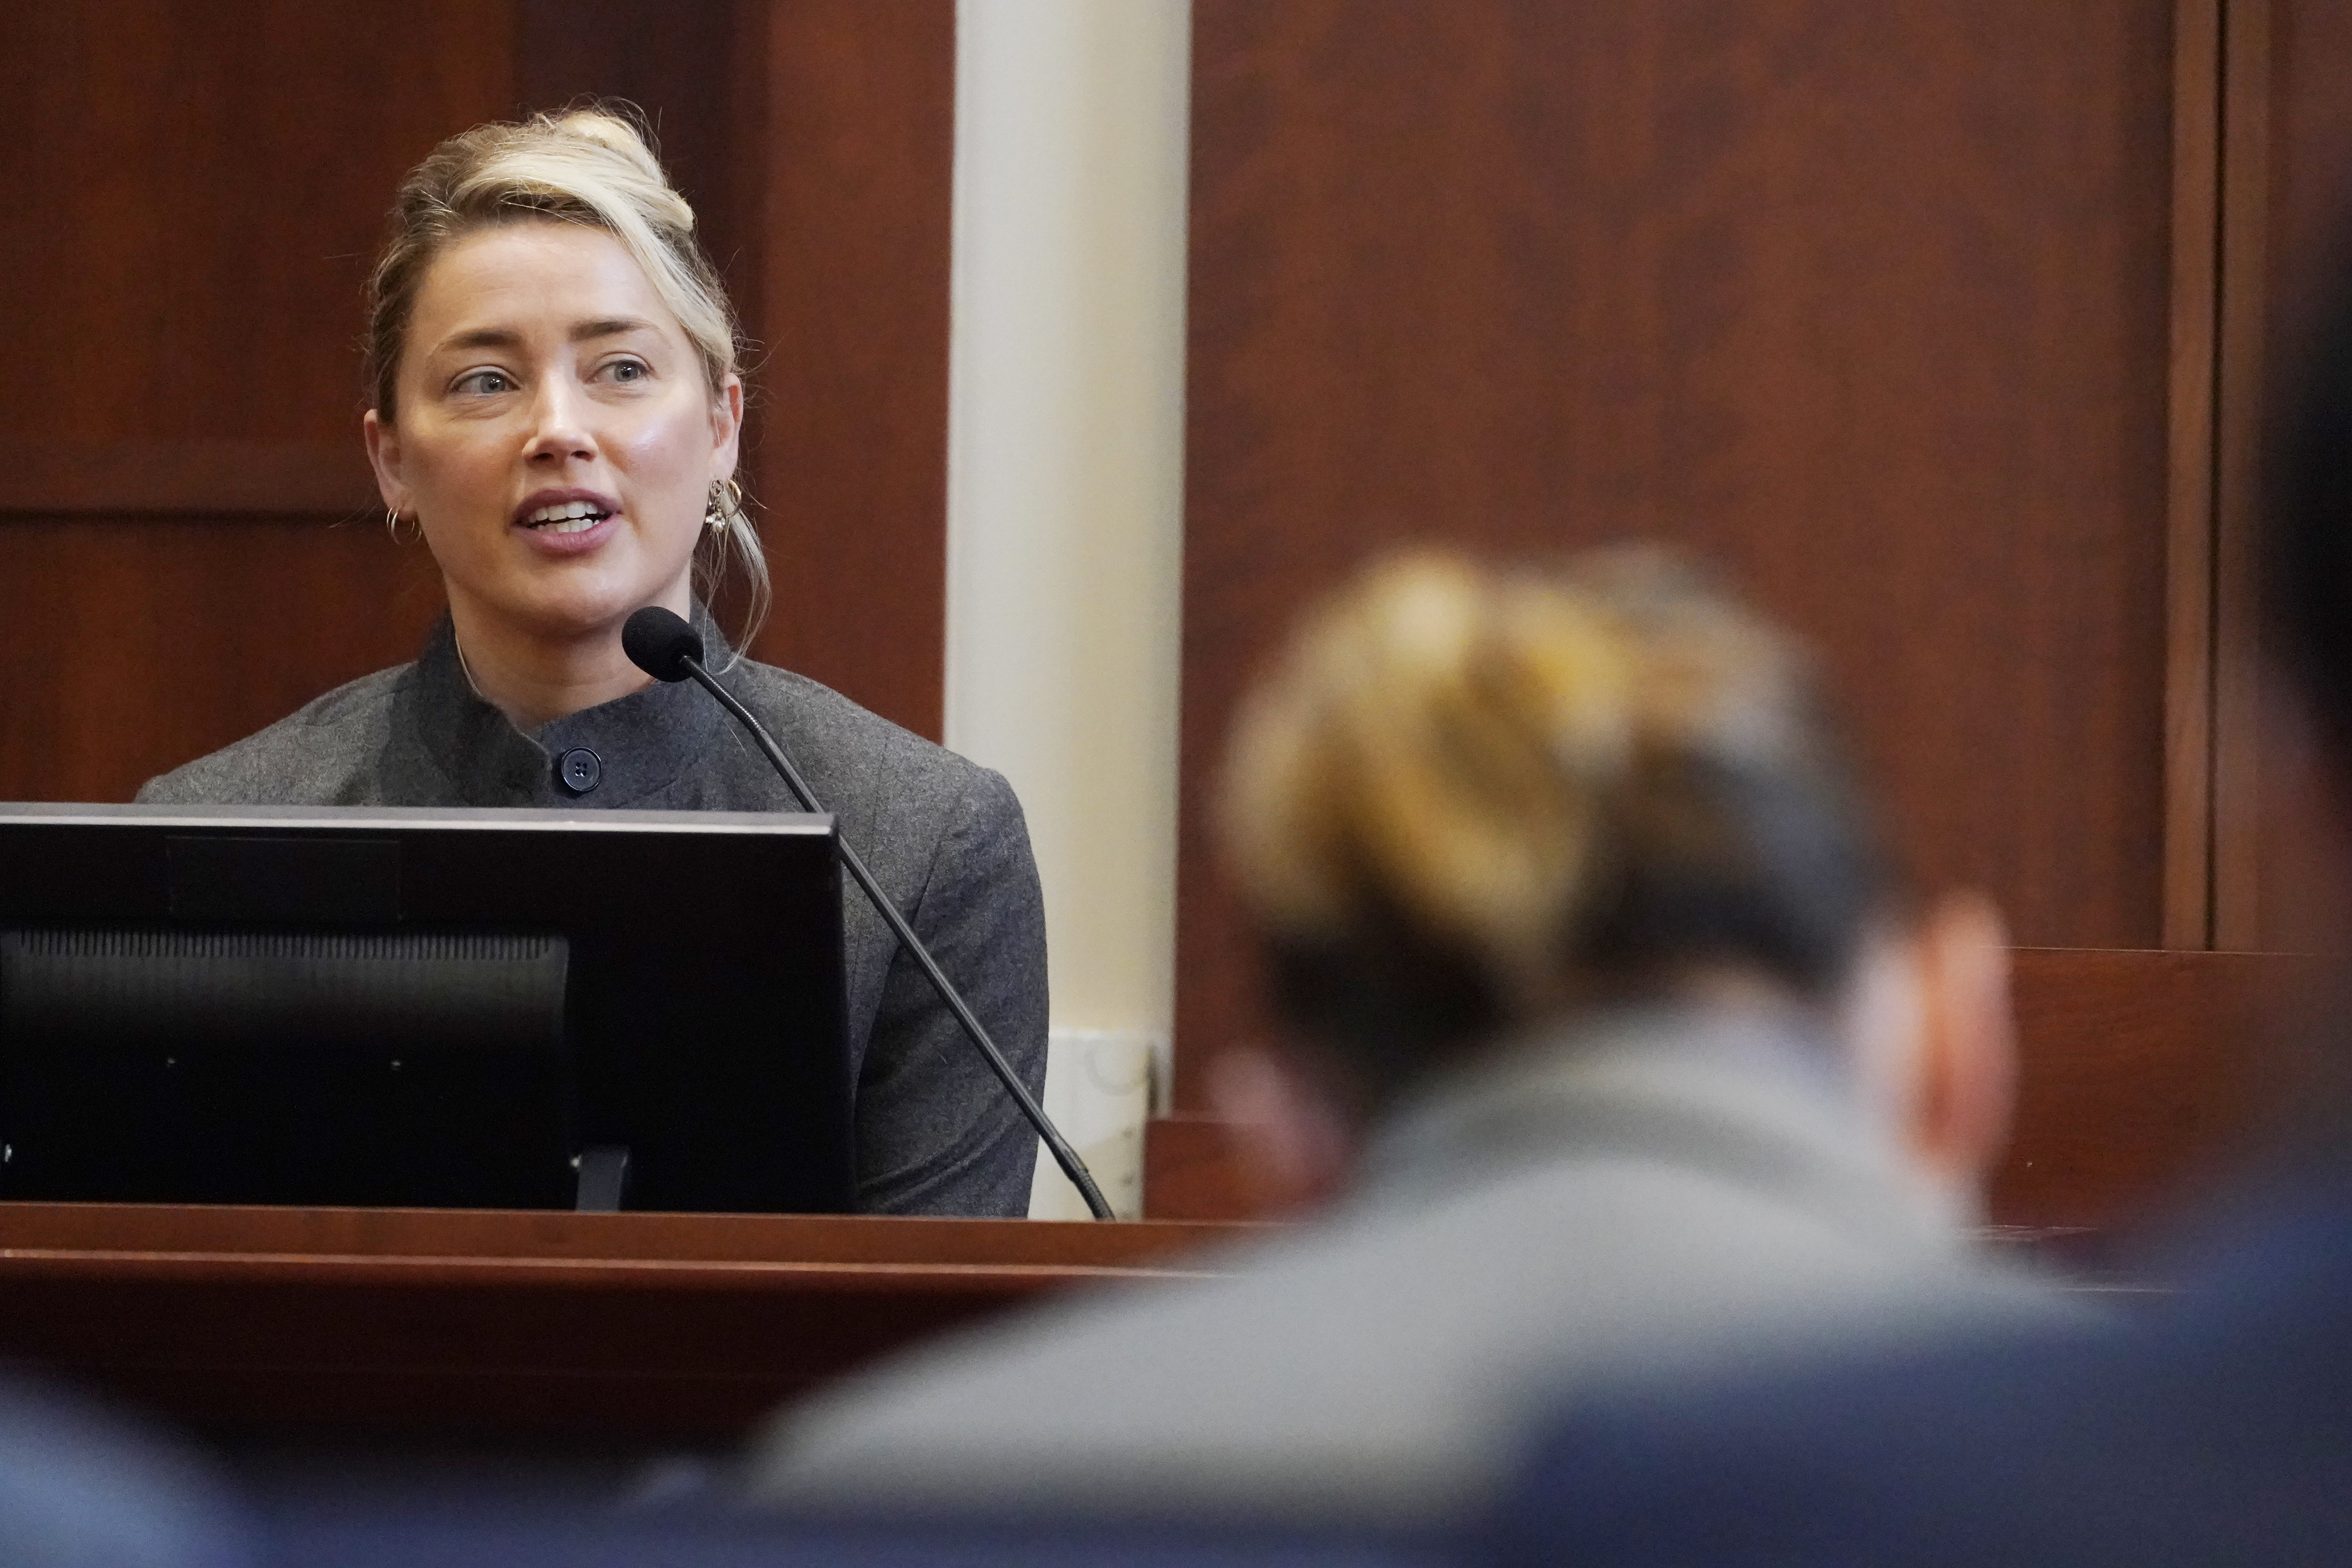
(1469, 802)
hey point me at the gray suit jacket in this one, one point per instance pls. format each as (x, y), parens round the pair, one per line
(1630, 1200)
(936, 1132)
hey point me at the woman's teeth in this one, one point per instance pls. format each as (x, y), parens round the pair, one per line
(567, 517)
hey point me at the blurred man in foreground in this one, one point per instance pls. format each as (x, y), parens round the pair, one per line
(85, 1486)
(1596, 984)
(2216, 1429)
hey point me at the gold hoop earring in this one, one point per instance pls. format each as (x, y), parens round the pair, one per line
(391, 520)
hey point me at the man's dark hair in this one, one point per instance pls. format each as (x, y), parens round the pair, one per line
(2308, 567)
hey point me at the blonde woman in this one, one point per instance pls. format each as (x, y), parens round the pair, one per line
(1606, 1023)
(556, 407)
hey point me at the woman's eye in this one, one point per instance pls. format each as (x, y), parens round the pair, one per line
(627, 370)
(483, 381)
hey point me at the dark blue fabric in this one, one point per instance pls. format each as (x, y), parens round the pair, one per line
(2215, 1429)
(323, 1534)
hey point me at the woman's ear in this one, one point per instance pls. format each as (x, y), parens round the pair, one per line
(727, 426)
(1934, 1037)
(383, 457)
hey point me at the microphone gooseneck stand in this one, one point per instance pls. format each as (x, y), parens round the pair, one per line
(664, 651)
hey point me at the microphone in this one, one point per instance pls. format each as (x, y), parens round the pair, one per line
(659, 642)
(664, 647)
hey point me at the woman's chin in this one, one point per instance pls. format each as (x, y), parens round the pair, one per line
(586, 604)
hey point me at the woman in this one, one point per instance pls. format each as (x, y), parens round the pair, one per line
(1600, 1014)
(557, 407)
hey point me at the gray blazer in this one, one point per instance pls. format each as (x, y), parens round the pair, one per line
(936, 1132)
(1633, 1199)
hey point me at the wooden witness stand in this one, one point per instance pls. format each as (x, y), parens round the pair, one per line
(2138, 1069)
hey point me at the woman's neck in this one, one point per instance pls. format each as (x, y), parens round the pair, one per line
(535, 679)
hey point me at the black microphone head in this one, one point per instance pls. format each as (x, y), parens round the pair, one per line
(659, 642)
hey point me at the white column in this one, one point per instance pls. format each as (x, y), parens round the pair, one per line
(1065, 513)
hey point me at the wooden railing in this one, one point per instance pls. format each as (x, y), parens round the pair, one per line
(442, 1324)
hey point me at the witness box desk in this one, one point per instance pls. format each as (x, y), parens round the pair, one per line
(632, 1327)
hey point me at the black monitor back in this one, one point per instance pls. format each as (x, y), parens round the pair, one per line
(376, 1006)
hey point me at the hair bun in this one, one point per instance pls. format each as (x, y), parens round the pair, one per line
(609, 130)
(620, 135)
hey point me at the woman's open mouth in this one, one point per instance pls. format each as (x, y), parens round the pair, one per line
(568, 522)
(565, 517)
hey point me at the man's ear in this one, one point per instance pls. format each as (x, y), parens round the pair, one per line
(383, 457)
(1293, 1143)
(1955, 1117)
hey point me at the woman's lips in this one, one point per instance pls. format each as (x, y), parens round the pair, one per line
(572, 540)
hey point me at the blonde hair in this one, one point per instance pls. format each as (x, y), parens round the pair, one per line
(1467, 796)
(591, 166)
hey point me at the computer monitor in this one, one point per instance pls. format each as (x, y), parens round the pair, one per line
(373, 1005)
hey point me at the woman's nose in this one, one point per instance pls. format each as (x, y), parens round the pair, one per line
(559, 429)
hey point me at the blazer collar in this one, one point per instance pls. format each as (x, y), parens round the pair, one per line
(641, 742)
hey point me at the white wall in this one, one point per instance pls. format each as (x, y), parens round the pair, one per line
(1065, 512)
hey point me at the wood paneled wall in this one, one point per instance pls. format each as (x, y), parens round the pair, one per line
(855, 171)
(1868, 302)
(2309, 113)
(190, 545)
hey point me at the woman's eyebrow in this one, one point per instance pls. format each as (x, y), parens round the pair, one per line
(508, 338)
(608, 326)
(481, 338)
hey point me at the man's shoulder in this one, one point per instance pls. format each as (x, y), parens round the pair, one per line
(1374, 1359)
(316, 755)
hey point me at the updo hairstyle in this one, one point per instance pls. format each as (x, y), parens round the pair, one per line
(1466, 799)
(589, 166)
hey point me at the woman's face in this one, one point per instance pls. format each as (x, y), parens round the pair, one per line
(555, 434)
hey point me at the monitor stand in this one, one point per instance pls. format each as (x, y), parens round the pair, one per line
(603, 1178)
